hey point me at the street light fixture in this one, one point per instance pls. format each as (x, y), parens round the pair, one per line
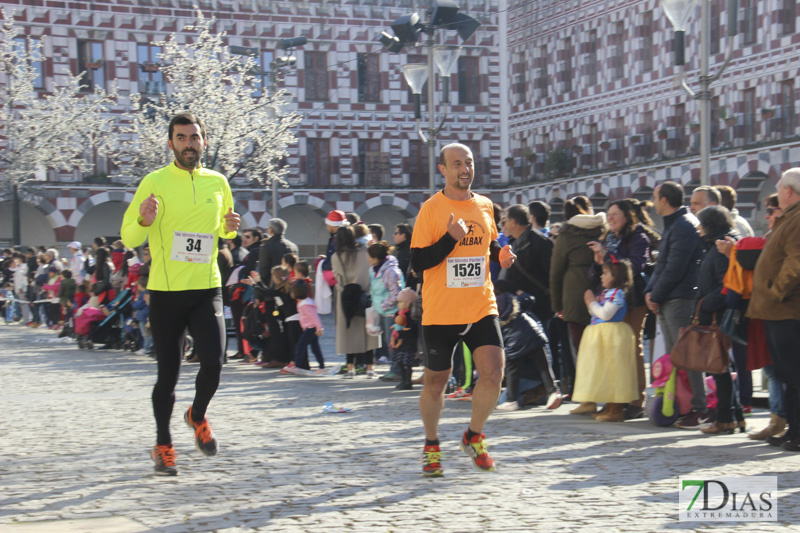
(678, 12)
(443, 14)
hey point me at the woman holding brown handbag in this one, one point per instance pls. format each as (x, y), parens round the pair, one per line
(716, 223)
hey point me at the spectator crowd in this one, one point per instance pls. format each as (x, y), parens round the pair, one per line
(575, 308)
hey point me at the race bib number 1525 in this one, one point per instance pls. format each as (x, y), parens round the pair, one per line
(463, 272)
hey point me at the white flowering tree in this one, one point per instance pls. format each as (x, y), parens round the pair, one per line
(52, 131)
(247, 128)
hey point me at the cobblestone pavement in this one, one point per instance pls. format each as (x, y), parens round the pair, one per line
(77, 427)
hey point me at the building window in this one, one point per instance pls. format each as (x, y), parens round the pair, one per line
(646, 50)
(32, 52)
(318, 162)
(749, 116)
(590, 59)
(749, 21)
(469, 86)
(715, 137)
(680, 126)
(714, 36)
(565, 66)
(316, 75)
(418, 163)
(618, 141)
(594, 140)
(541, 82)
(519, 70)
(92, 65)
(788, 18)
(616, 43)
(649, 146)
(787, 109)
(369, 78)
(373, 165)
(151, 79)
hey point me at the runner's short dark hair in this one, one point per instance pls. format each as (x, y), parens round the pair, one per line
(186, 119)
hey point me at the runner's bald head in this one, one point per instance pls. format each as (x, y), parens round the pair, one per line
(442, 155)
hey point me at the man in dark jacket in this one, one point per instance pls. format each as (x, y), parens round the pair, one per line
(531, 271)
(402, 248)
(671, 291)
(251, 239)
(273, 249)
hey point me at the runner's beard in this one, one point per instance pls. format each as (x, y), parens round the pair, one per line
(187, 158)
(460, 184)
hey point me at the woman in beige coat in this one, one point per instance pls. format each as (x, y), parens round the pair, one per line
(350, 265)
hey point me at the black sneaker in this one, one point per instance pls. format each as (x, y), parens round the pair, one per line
(164, 457)
(791, 445)
(694, 420)
(633, 412)
(778, 440)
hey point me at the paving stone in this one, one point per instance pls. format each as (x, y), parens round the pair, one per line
(77, 427)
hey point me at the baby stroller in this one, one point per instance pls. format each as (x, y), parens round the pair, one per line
(110, 330)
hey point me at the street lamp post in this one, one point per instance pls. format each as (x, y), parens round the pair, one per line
(443, 14)
(678, 12)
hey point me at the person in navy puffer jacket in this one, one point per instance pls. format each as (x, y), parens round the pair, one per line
(670, 293)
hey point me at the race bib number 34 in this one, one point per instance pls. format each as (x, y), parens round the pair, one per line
(465, 272)
(192, 247)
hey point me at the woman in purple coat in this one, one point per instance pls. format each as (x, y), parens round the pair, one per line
(628, 238)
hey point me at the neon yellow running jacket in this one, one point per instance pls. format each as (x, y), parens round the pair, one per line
(193, 204)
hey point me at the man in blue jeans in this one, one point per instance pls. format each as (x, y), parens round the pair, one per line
(776, 300)
(671, 291)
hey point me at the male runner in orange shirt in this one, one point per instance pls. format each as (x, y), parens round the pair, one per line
(453, 241)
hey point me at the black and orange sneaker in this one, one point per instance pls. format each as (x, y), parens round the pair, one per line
(164, 457)
(204, 439)
(432, 461)
(476, 448)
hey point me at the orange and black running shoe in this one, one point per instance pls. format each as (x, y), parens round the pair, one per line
(432, 461)
(476, 448)
(204, 439)
(164, 457)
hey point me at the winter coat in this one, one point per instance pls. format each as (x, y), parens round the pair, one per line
(776, 280)
(402, 252)
(522, 334)
(534, 254)
(385, 285)
(141, 309)
(21, 278)
(710, 279)
(569, 269)
(351, 268)
(679, 255)
(271, 253)
(636, 250)
(307, 311)
(66, 290)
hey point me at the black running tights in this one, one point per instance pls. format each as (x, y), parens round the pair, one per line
(171, 313)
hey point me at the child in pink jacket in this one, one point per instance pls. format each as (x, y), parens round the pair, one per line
(309, 323)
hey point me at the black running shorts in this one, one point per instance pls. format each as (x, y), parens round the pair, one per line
(441, 341)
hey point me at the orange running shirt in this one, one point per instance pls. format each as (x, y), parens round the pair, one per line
(459, 289)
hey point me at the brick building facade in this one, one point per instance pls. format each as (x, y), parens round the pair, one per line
(555, 98)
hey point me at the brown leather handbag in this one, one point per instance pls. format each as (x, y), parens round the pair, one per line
(701, 348)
